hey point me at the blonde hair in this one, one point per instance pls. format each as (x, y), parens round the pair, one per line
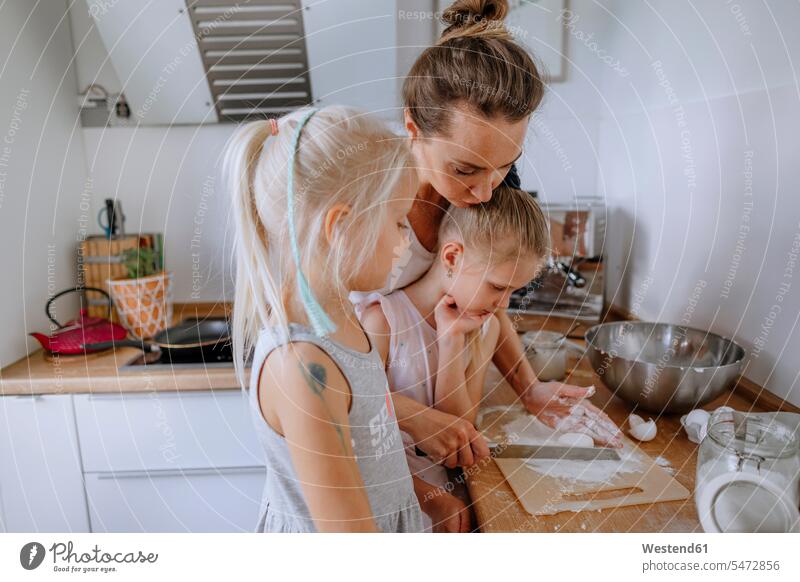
(509, 226)
(343, 157)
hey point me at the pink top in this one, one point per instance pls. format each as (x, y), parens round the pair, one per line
(411, 367)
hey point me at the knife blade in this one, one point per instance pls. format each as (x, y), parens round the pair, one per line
(553, 452)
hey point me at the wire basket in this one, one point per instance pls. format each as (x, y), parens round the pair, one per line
(144, 305)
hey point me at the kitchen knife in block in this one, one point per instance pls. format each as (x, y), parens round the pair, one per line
(542, 494)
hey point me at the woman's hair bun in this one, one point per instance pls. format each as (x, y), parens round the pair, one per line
(474, 18)
(477, 64)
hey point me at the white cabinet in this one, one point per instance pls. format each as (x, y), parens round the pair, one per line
(166, 430)
(199, 500)
(131, 462)
(170, 461)
(41, 483)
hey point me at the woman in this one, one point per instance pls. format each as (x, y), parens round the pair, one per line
(468, 101)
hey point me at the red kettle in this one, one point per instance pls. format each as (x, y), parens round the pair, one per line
(68, 339)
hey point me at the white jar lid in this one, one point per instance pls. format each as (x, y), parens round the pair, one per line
(746, 502)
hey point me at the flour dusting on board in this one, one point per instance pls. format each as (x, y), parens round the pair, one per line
(602, 472)
(528, 430)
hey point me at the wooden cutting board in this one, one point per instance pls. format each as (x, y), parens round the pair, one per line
(542, 493)
(553, 486)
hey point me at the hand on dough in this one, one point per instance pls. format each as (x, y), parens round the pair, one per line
(564, 407)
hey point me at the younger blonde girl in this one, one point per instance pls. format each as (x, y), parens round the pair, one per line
(438, 335)
(319, 203)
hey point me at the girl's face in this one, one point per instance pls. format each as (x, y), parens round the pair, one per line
(394, 237)
(479, 286)
(468, 164)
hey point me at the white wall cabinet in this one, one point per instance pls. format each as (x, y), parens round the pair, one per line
(41, 481)
(150, 462)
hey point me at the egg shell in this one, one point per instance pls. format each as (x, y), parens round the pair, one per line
(635, 419)
(643, 431)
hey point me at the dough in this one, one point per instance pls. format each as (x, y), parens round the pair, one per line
(575, 439)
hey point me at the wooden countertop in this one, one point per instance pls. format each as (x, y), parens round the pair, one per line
(39, 373)
(495, 505)
(100, 373)
(497, 509)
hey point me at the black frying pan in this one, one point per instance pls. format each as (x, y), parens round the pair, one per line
(193, 340)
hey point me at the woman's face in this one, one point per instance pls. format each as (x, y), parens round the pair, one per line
(466, 165)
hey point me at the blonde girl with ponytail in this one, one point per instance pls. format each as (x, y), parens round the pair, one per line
(319, 203)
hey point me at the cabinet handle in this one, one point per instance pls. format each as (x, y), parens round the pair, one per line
(181, 472)
(165, 394)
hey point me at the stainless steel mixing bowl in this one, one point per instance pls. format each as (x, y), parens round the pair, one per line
(661, 367)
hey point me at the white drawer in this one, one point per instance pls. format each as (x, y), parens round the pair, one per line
(41, 483)
(200, 500)
(166, 430)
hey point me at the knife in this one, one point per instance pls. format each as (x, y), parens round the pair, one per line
(553, 452)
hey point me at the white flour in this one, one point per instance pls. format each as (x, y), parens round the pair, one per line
(602, 472)
(662, 462)
(530, 431)
(665, 464)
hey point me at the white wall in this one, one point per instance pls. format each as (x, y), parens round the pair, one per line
(417, 29)
(560, 158)
(92, 63)
(168, 182)
(42, 168)
(352, 53)
(699, 163)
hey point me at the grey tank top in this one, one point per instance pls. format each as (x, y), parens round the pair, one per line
(376, 440)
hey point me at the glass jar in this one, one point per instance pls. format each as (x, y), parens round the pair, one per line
(747, 475)
(547, 353)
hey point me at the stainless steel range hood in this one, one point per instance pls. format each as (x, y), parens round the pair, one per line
(204, 61)
(254, 56)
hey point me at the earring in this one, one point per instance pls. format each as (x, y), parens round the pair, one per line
(449, 273)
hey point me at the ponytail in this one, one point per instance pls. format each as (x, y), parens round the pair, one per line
(251, 244)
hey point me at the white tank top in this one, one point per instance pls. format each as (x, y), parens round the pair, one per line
(414, 263)
(411, 367)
